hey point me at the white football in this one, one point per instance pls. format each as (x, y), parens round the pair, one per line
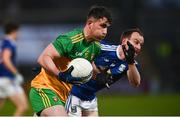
(82, 68)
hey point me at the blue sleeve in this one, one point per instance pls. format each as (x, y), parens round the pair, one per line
(107, 54)
(119, 69)
(122, 68)
(6, 44)
(100, 62)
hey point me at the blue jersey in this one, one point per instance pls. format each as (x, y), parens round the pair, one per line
(108, 59)
(7, 44)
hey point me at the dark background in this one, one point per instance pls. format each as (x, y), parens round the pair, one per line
(43, 20)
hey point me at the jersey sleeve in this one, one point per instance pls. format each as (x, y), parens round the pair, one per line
(119, 69)
(122, 68)
(6, 45)
(63, 45)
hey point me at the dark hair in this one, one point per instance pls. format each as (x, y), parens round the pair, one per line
(98, 12)
(10, 27)
(127, 33)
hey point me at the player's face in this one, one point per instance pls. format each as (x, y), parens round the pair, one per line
(99, 28)
(137, 41)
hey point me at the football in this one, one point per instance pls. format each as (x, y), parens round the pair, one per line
(82, 69)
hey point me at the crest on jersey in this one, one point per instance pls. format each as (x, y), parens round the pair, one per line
(73, 109)
(55, 99)
(122, 67)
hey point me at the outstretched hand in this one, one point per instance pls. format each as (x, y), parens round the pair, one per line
(129, 53)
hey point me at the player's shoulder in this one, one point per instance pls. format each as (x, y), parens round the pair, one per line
(107, 46)
(74, 32)
(75, 35)
(6, 42)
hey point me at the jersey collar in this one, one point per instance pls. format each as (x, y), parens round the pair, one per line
(117, 52)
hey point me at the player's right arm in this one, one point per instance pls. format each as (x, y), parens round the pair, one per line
(46, 59)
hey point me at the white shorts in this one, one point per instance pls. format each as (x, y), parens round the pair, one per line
(9, 88)
(74, 105)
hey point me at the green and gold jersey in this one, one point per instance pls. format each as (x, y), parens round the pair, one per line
(70, 46)
(73, 45)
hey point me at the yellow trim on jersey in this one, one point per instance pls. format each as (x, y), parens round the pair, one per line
(45, 99)
(97, 43)
(78, 40)
(44, 102)
(77, 36)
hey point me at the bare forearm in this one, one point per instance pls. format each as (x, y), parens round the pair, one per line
(133, 75)
(47, 63)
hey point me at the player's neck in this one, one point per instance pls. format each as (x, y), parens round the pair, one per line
(87, 34)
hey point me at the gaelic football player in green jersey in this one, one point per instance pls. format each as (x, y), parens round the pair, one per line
(50, 88)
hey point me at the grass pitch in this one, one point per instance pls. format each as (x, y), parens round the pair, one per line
(119, 105)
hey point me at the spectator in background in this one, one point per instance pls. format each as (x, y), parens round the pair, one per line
(10, 78)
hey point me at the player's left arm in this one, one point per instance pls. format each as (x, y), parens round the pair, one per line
(133, 75)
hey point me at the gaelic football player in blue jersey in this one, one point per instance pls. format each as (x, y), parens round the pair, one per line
(117, 60)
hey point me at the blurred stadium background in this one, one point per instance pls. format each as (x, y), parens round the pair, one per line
(159, 94)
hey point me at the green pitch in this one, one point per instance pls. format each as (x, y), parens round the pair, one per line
(140, 105)
(126, 105)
